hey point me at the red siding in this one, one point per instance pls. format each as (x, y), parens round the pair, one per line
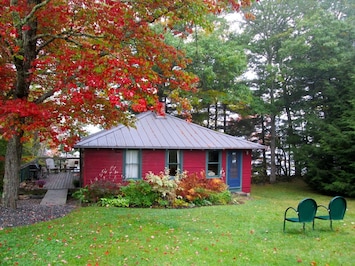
(98, 163)
(194, 161)
(153, 161)
(246, 174)
(102, 163)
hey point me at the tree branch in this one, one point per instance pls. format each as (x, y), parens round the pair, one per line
(66, 35)
(34, 9)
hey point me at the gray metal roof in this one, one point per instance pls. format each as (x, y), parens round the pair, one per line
(164, 132)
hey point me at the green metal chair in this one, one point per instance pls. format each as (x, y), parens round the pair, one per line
(335, 211)
(306, 211)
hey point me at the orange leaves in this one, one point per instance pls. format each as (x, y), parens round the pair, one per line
(90, 62)
(238, 4)
(196, 186)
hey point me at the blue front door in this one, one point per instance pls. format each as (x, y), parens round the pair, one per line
(234, 169)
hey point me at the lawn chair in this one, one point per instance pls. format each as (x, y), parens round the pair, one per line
(335, 211)
(51, 167)
(306, 210)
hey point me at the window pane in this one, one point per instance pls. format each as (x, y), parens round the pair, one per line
(173, 161)
(132, 164)
(213, 164)
(213, 156)
(132, 157)
(212, 170)
(173, 158)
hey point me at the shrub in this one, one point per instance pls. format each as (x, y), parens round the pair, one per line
(40, 182)
(140, 194)
(97, 190)
(102, 189)
(82, 195)
(104, 186)
(160, 190)
(222, 198)
(179, 202)
(196, 188)
(164, 184)
(114, 202)
(76, 183)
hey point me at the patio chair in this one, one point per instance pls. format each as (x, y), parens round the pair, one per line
(335, 211)
(306, 210)
(50, 165)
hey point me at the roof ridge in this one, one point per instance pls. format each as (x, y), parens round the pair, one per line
(152, 131)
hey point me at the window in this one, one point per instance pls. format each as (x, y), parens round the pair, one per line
(132, 164)
(174, 161)
(213, 163)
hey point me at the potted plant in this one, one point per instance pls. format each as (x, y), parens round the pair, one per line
(40, 183)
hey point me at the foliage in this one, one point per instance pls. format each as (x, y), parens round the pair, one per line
(302, 54)
(164, 184)
(40, 182)
(114, 202)
(197, 188)
(98, 189)
(82, 194)
(218, 59)
(140, 194)
(63, 65)
(220, 198)
(160, 190)
(327, 94)
(103, 188)
(244, 234)
(76, 183)
(179, 202)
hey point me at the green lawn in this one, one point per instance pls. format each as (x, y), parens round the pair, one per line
(249, 233)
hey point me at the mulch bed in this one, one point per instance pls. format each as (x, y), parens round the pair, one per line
(29, 210)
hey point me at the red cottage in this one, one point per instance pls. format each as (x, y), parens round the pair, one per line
(160, 142)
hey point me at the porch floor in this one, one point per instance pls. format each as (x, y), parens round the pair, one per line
(57, 185)
(61, 180)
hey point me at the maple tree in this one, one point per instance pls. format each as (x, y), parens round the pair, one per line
(67, 63)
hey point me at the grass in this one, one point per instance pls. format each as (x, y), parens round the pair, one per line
(245, 234)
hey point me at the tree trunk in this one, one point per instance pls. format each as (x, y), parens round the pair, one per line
(12, 171)
(264, 173)
(27, 53)
(224, 118)
(273, 135)
(216, 116)
(273, 150)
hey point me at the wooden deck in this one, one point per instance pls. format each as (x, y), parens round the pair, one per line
(61, 180)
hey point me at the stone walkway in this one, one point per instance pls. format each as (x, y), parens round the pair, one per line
(57, 185)
(55, 197)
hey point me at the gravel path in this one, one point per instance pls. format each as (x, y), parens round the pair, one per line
(29, 211)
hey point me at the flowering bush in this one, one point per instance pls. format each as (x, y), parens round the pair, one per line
(197, 188)
(165, 184)
(106, 185)
(40, 182)
(161, 190)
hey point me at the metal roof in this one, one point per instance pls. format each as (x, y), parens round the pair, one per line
(164, 132)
